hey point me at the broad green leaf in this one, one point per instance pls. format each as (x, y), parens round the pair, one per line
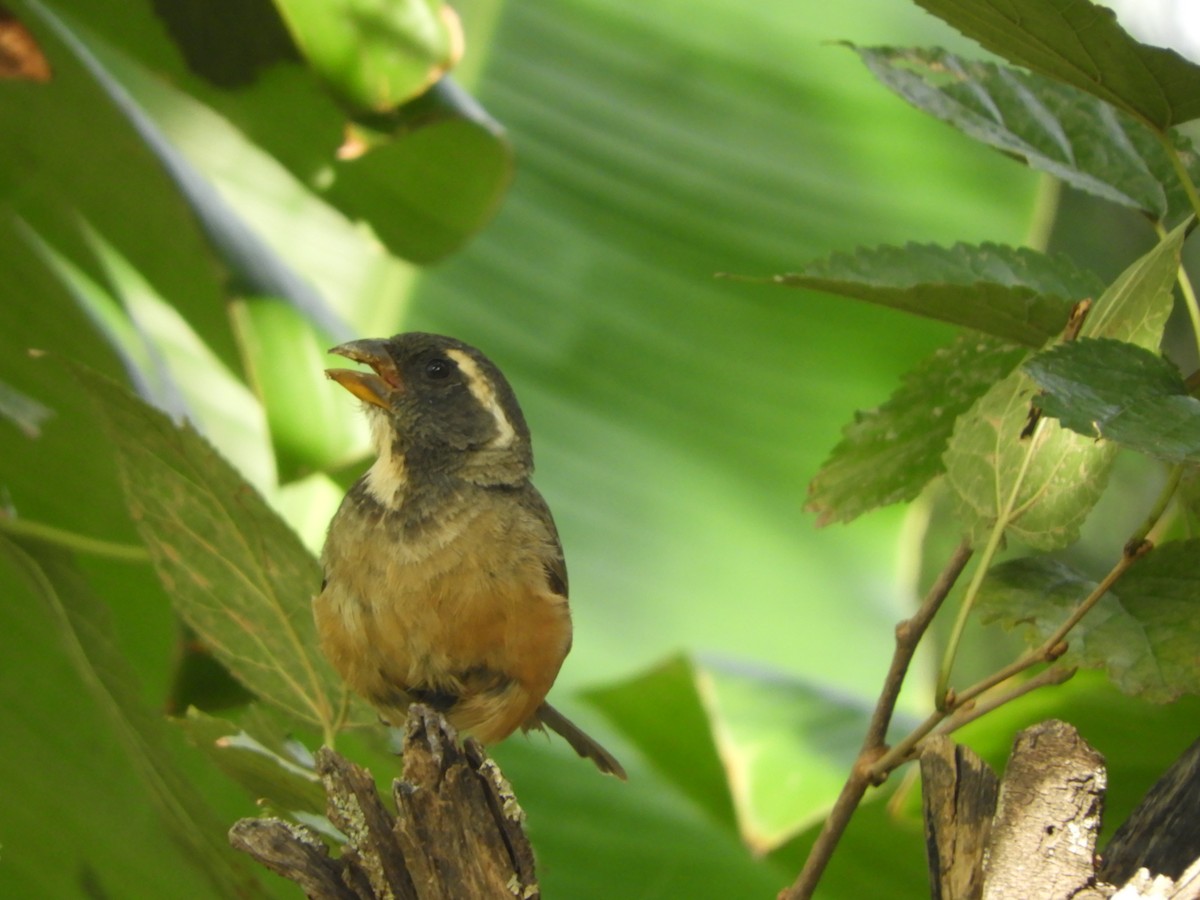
(235, 572)
(888, 454)
(680, 746)
(1041, 488)
(1053, 127)
(88, 642)
(785, 745)
(1144, 632)
(1081, 43)
(289, 786)
(376, 54)
(1120, 392)
(1013, 293)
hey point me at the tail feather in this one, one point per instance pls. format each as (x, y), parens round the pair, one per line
(579, 741)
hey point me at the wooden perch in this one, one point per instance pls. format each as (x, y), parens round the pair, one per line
(1040, 842)
(458, 832)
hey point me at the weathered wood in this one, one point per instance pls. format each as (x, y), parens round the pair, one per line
(1043, 838)
(1163, 832)
(958, 800)
(458, 831)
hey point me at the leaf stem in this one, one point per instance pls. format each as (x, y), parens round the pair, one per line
(908, 636)
(990, 550)
(80, 543)
(1185, 179)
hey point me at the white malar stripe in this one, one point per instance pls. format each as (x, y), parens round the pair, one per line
(481, 387)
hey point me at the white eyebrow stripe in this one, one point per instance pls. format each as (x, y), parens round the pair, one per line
(481, 387)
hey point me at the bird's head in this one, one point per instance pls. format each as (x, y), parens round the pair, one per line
(440, 405)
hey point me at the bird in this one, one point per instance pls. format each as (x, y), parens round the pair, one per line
(444, 577)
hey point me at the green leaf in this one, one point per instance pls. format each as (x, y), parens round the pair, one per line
(376, 54)
(1144, 632)
(1042, 488)
(290, 786)
(784, 744)
(1082, 44)
(235, 572)
(1122, 393)
(1013, 293)
(888, 454)
(86, 632)
(1050, 126)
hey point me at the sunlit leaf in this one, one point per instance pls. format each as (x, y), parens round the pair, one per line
(1053, 127)
(376, 54)
(888, 454)
(1144, 632)
(1082, 44)
(1013, 293)
(1122, 393)
(235, 572)
(86, 633)
(1043, 486)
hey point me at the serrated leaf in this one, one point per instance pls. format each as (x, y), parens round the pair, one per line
(1144, 632)
(1082, 44)
(83, 624)
(233, 569)
(1042, 488)
(1122, 393)
(888, 454)
(1016, 294)
(1053, 127)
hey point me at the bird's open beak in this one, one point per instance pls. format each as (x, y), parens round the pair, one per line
(378, 388)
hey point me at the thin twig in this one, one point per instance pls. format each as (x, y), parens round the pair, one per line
(908, 636)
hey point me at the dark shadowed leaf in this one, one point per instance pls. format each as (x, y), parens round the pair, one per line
(1144, 632)
(1122, 393)
(1041, 488)
(1013, 293)
(888, 454)
(232, 567)
(1053, 127)
(1081, 43)
(84, 626)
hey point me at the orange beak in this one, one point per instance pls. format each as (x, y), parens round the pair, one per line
(376, 389)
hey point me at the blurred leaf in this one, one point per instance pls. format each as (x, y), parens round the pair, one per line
(1144, 631)
(254, 266)
(23, 411)
(265, 774)
(235, 572)
(1013, 293)
(435, 179)
(1044, 486)
(1082, 44)
(784, 744)
(87, 640)
(1120, 392)
(1051, 126)
(311, 427)
(376, 54)
(680, 745)
(888, 454)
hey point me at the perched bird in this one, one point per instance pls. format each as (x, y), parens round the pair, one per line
(444, 576)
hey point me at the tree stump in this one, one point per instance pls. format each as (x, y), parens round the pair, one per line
(458, 831)
(1032, 834)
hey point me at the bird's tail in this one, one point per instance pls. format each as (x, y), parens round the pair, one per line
(579, 741)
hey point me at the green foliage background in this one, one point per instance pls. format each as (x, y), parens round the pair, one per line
(724, 648)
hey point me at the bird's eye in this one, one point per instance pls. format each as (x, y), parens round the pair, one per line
(438, 367)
